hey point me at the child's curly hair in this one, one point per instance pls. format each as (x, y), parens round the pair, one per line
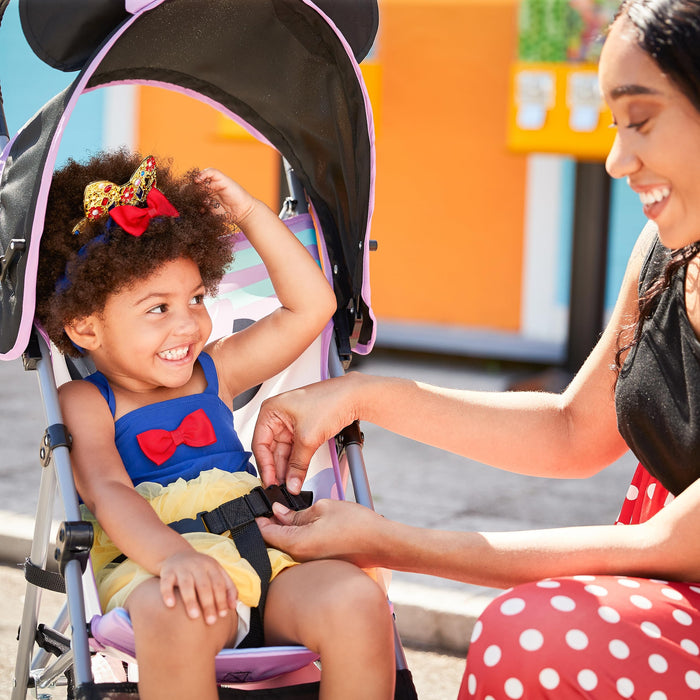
(72, 285)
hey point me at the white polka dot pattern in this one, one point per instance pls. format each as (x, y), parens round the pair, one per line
(556, 638)
(591, 636)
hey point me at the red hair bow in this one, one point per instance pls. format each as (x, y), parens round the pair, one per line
(195, 430)
(135, 220)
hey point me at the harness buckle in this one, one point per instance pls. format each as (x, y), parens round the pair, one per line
(195, 524)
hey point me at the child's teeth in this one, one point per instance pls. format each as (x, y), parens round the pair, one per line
(174, 354)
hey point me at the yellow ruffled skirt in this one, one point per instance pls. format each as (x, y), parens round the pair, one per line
(183, 499)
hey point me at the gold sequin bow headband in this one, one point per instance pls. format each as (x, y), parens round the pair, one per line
(120, 201)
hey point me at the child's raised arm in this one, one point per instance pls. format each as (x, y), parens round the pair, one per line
(308, 302)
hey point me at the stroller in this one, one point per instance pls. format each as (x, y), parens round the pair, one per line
(305, 98)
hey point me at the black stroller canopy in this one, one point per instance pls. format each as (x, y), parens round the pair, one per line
(276, 64)
(65, 33)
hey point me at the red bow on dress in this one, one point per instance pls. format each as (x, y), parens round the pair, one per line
(195, 430)
(135, 220)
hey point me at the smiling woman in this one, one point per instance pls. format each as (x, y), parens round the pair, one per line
(657, 147)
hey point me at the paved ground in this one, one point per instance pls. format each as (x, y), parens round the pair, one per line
(410, 482)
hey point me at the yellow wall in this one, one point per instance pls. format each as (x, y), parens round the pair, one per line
(449, 197)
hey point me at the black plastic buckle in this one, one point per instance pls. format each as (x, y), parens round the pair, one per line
(241, 511)
(280, 494)
(74, 542)
(258, 503)
(185, 525)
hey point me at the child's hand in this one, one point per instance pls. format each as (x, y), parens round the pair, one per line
(203, 584)
(237, 203)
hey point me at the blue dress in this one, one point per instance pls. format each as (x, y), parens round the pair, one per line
(187, 462)
(190, 480)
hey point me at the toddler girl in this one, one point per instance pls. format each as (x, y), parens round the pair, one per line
(128, 253)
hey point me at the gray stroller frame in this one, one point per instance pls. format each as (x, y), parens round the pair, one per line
(319, 119)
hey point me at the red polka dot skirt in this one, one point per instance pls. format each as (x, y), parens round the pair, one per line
(591, 636)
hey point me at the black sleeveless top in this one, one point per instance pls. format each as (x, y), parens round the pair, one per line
(657, 397)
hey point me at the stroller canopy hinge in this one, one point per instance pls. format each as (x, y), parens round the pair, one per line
(56, 435)
(11, 256)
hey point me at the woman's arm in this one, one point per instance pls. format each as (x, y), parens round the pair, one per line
(573, 434)
(665, 547)
(308, 302)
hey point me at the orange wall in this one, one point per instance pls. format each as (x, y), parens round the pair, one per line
(193, 135)
(450, 197)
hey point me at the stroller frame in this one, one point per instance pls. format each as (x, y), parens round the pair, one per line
(333, 170)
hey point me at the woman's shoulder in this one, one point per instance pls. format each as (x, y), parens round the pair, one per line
(657, 255)
(648, 257)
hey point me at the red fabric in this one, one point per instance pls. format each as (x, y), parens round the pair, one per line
(195, 430)
(645, 497)
(135, 220)
(591, 636)
(587, 637)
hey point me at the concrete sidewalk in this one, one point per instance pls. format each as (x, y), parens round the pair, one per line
(411, 482)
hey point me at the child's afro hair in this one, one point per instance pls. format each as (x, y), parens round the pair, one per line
(77, 273)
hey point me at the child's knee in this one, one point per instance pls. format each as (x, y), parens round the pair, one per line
(358, 599)
(150, 617)
(154, 622)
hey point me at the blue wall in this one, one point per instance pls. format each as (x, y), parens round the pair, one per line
(626, 223)
(27, 83)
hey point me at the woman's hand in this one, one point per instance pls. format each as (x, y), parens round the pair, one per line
(204, 586)
(326, 530)
(292, 426)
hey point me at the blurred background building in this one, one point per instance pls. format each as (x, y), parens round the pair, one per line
(488, 120)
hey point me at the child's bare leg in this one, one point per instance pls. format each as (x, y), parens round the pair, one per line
(335, 609)
(175, 653)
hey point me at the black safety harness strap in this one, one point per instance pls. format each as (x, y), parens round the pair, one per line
(237, 517)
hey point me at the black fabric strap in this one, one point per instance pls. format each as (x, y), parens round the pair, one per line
(242, 510)
(256, 504)
(405, 690)
(49, 580)
(237, 517)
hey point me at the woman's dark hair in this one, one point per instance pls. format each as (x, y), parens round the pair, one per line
(78, 272)
(669, 32)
